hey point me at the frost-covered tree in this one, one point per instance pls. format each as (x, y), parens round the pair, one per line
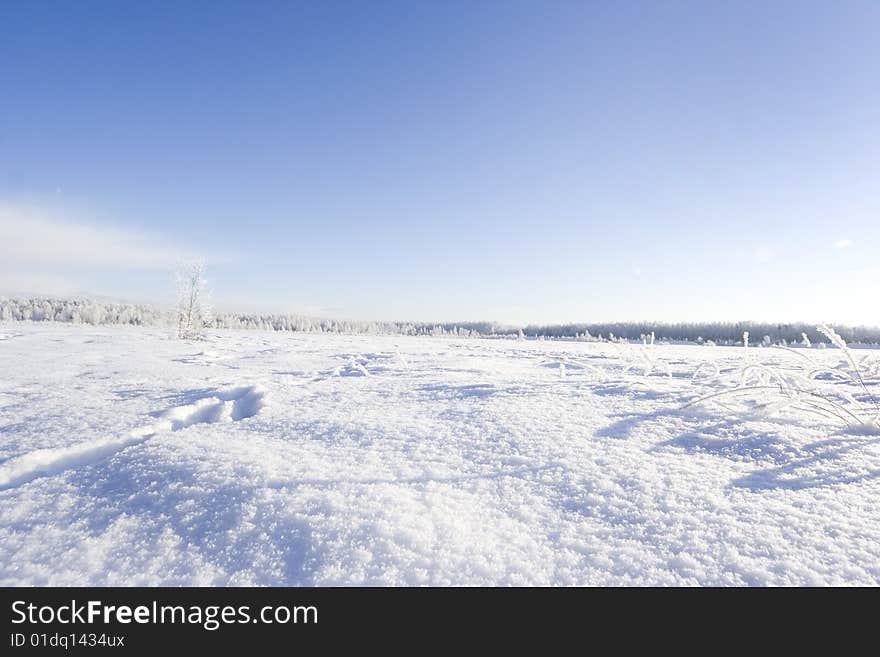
(193, 300)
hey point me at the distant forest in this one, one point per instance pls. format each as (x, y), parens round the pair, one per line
(84, 311)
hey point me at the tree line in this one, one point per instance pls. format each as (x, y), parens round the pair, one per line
(86, 311)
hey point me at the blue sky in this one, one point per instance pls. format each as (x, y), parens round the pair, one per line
(516, 161)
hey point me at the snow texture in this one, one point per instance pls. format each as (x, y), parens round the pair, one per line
(130, 458)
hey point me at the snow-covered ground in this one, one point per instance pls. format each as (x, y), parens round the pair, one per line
(254, 458)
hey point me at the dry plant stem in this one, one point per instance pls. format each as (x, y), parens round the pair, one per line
(834, 408)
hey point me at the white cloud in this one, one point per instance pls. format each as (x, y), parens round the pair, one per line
(46, 251)
(843, 244)
(38, 238)
(35, 283)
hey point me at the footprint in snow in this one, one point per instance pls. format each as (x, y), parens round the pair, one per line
(224, 406)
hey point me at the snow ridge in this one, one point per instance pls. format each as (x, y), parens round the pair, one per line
(226, 406)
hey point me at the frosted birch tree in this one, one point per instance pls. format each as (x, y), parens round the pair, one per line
(193, 300)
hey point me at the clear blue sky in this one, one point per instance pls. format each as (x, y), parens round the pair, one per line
(517, 161)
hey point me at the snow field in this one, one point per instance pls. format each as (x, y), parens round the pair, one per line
(128, 457)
